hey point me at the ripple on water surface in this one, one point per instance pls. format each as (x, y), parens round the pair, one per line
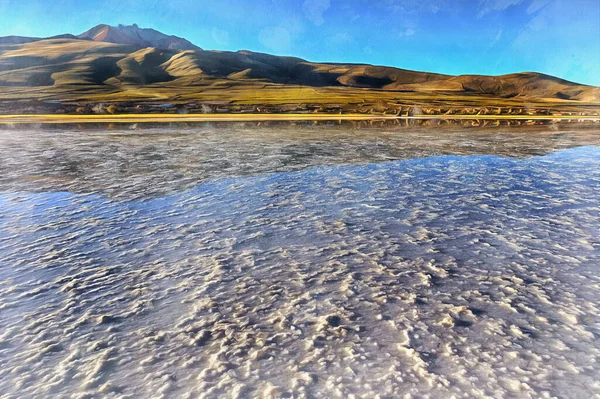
(473, 276)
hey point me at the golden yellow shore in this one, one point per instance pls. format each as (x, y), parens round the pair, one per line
(162, 118)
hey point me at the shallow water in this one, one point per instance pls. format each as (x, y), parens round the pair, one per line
(299, 262)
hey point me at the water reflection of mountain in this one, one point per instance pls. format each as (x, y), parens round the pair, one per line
(131, 161)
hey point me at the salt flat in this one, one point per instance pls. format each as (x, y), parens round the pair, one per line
(304, 265)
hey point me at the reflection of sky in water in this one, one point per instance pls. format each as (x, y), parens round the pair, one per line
(158, 161)
(441, 275)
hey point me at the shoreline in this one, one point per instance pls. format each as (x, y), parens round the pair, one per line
(167, 118)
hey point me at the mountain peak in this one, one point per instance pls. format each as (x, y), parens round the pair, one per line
(135, 36)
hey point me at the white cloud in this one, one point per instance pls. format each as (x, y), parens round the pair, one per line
(408, 32)
(414, 6)
(276, 38)
(498, 36)
(577, 62)
(536, 5)
(340, 39)
(314, 10)
(496, 39)
(220, 36)
(488, 6)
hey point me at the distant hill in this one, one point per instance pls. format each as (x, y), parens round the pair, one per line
(136, 36)
(23, 39)
(128, 63)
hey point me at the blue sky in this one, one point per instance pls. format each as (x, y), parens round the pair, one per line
(558, 37)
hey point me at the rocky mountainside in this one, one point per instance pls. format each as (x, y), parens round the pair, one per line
(136, 36)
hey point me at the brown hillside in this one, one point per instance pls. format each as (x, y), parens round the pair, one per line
(96, 69)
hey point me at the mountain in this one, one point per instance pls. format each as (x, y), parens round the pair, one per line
(127, 64)
(136, 36)
(24, 39)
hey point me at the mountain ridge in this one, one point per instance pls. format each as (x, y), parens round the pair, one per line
(26, 39)
(134, 35)
(130, 63)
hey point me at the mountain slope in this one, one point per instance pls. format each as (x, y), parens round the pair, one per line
(24, 39)
(134, 35)
(127, 63)
(508, 86)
